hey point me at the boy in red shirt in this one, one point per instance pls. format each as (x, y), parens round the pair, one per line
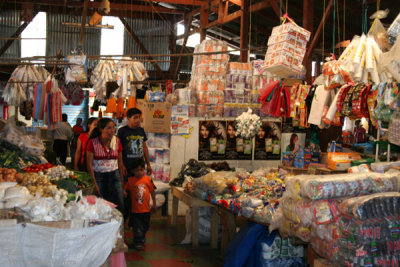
(140, 188)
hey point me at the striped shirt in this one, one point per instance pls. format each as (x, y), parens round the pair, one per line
(104, 159)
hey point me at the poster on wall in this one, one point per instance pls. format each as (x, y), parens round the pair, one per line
(212, 140)
(292, 141)
(268, 141)
(180, 120)
(237, 148)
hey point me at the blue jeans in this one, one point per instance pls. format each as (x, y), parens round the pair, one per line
(140, 223)
(110, 185)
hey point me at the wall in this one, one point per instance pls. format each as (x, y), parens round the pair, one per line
(182, 150)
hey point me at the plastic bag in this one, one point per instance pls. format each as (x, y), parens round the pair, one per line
(378, 31)
(372, 206)
(335, 75)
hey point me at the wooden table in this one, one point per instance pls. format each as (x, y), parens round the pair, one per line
(194, 203)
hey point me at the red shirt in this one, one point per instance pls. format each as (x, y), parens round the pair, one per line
(104, 159)
(77, 129)
(83, 137)
(140, 189)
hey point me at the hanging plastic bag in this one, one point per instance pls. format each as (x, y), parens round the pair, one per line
(77, 71)
(378, 31)
(335, 75)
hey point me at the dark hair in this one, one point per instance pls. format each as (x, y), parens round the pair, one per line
(137, 163)
(79, 119)
(291, 145)
(90, 121)
(64, 117)
(133, 111)
(100, 126)
(358, 122)
(210, 126)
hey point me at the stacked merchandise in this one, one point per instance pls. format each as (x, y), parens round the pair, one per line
(238, 94)
(328, 212)
(158, 145)
(253, 195)
(286, 48)
(208, 78)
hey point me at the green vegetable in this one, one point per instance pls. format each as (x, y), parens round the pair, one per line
(70, 197)
(68, 185)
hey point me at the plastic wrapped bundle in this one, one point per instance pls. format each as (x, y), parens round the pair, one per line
(372, 206)
(298, 211)
(328, 250)
(216, 182)
(328, 232)
(347, 185)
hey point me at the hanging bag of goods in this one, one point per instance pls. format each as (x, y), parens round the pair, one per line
(335, 75)
(77, 71)
(286, 48)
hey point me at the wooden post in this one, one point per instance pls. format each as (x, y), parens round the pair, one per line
(244, 31)
(203, 22)
(308, 24)
(318, 32)
(13, 37)
(172, 49)
(139, 43)
(83, 23)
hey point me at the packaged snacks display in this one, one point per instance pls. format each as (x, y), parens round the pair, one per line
(286, 48)
(208, 78)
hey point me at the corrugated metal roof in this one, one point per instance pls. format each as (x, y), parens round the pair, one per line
(9, 23)
(67, 38)
(154, 35)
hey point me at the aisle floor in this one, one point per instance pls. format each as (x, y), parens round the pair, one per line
(163, 248)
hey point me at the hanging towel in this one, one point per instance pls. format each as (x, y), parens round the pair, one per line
(320, 97)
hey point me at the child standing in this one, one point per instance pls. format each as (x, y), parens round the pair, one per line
(140, 188)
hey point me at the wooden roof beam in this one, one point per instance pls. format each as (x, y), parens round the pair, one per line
(113, 6)
(16, 34)
(319, 29)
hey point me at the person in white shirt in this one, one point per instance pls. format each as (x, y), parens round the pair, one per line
(62, 135)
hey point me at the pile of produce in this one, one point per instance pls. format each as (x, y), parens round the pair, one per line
(7, 175)
(13, 157)
(37, 184)
(38, 167)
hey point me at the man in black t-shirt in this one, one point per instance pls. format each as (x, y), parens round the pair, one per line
(133, 139)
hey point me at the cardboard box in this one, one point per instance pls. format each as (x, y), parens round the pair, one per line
(156, 116)
(339, 161)
(291, 28)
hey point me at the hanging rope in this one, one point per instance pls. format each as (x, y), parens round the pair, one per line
(338, 26)
(287, 7)
(344, 20)
(323, 34)
(362, 17)
(366, 20)
(334, 27)
(248, 54)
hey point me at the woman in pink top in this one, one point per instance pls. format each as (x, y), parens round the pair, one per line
(104, 162)
(80, 155)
